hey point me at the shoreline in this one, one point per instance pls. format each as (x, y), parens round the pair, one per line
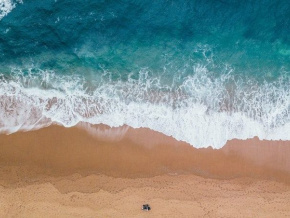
(128, 152)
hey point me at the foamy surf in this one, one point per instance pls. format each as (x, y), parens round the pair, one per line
(6, 6)
(202, 111)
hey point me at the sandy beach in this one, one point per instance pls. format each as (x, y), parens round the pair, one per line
(107, 106)
(103, 172)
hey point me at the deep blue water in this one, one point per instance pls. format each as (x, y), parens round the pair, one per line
(250, 36)
(200, 60)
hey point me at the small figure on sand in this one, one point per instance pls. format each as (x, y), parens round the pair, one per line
(146, 207)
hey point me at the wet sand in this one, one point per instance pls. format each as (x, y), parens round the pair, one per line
(68, 172)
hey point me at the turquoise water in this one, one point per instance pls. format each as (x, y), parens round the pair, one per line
(190, 69)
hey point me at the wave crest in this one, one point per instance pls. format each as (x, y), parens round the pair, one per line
(202, 110)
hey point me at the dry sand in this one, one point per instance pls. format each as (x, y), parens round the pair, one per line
(60, 172)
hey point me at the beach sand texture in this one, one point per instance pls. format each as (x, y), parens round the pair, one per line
(66, 172)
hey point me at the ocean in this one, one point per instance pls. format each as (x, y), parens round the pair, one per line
(203, 72)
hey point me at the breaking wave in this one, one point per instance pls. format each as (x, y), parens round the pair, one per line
(202, 110)
(6, 6)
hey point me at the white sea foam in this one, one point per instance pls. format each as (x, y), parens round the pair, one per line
(6, 6)
(202, 111)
